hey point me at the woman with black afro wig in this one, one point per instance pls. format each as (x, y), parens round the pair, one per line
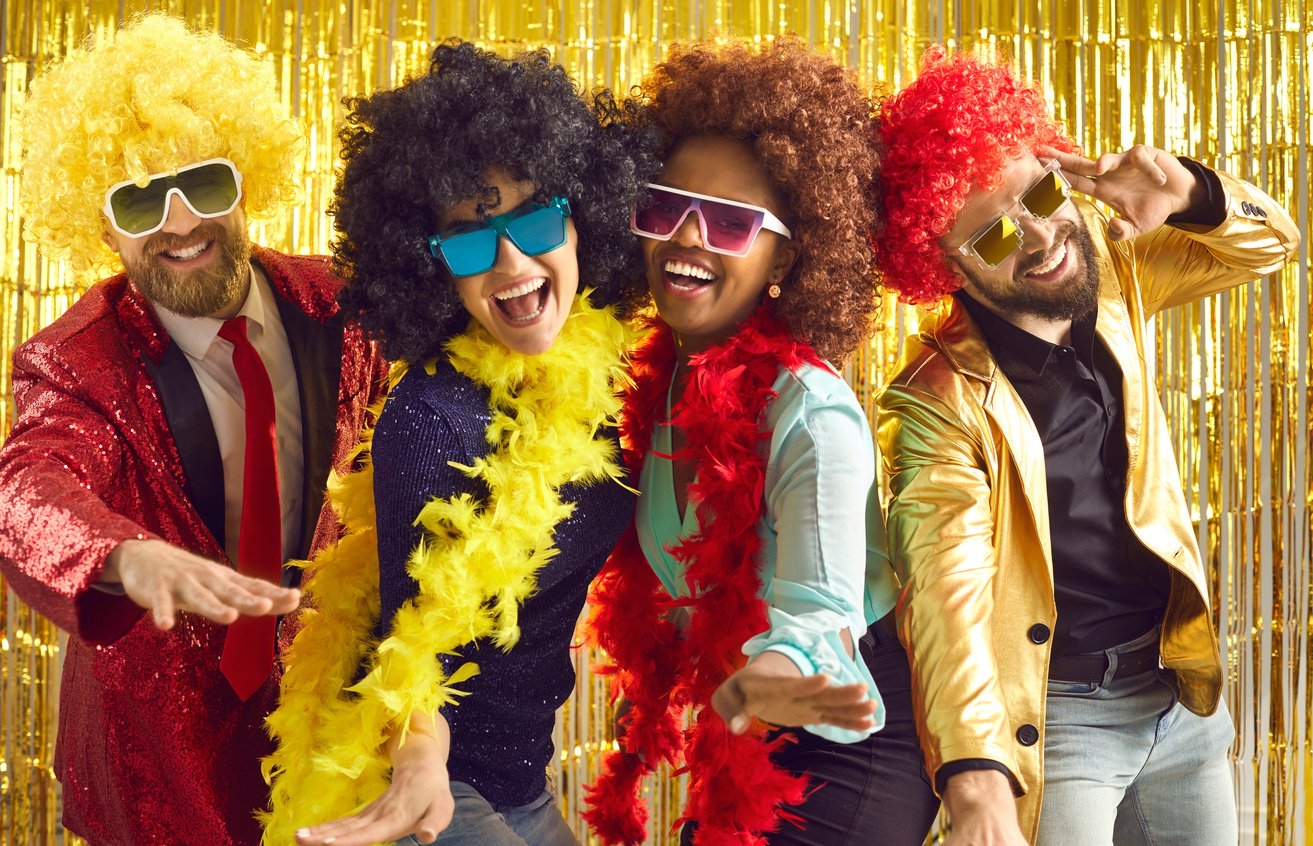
(483, 234)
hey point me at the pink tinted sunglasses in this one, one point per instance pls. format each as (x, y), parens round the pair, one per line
(727, 227)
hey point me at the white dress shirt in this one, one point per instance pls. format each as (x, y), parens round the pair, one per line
(211, 359)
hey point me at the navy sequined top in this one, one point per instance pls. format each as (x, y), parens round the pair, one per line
(501, 733)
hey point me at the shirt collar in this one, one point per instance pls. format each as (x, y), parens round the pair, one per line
(1013, 345)
(195, 335)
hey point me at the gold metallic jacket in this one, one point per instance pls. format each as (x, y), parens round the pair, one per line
(968, 518)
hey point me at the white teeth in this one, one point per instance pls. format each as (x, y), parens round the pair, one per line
(521, 289)
(1053, 262)
(683, 268)
(189, 253)
(528, 317)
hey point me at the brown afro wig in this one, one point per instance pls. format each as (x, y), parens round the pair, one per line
(808, 121)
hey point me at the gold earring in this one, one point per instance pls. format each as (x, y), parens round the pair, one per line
(773, 291)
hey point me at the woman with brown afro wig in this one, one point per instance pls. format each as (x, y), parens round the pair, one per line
(758, 532)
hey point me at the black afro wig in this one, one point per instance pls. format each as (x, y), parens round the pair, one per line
(430, 144)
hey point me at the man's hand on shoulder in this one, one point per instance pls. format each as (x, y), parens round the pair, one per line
(981, 810)
(1143, 185)
(165, 579)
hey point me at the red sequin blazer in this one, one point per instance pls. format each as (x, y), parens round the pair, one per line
(113, 441)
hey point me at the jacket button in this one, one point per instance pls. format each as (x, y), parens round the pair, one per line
(1039, 633)
(1027, 735)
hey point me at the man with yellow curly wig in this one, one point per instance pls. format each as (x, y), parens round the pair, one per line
(174, 428)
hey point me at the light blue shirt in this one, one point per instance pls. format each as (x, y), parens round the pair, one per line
(824, 566)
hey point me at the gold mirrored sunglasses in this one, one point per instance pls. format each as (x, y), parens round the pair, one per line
(993, 244)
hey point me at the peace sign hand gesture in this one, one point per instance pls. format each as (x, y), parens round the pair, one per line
(1143, 186)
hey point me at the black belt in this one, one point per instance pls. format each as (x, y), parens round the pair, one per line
(1093, 667)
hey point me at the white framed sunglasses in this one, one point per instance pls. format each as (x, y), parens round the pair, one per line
(211, 188)
(727, 226)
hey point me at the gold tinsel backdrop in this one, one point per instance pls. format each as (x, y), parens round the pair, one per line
(1225, 81)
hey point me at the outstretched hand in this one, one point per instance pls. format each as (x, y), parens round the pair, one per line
(418, 802)
(772, 688)
(166, 579)
(1143, 186)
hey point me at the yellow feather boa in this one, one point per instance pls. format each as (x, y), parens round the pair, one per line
(477, 562)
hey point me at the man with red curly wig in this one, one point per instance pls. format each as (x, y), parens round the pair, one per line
(175, 427)
(1055, 606)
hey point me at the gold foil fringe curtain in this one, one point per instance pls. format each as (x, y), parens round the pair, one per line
(1225, 81)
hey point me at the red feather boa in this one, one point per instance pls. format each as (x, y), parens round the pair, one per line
(735, 792)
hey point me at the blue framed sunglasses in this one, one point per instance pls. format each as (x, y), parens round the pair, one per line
(533, 228)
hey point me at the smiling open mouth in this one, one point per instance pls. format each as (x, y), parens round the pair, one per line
(1054, 265)
(187, 253)
(523, 302)
(685, 276)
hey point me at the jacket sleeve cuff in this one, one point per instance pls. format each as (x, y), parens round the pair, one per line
(1210, 213)
(104, 617)
(952, 768)
(103, 611)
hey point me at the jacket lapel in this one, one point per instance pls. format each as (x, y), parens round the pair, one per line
(193, 433)
(962, 343)
(141, 329)
(1115, 329)
(317, 357)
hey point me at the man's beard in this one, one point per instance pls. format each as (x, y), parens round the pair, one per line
(200, 292)
(1072, 301)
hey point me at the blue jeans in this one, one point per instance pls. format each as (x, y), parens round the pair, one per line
(476, 822)
(1126, 763)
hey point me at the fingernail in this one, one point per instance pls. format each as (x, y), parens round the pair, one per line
(303, 832)
(738, 724)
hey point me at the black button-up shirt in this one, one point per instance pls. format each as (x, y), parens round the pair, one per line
(1108, 587)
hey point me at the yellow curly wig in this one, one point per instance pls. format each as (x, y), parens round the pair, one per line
(156, 96)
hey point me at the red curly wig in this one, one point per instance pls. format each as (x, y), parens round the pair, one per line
(954, 128)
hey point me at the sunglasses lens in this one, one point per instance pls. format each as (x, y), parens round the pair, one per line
(730, 228)
(539, 231)
(997, 242)
(1046, 196)
(137, 210)
(470, 253)
(661, 213)
(210, 189)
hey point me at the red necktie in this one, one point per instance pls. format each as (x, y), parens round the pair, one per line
(248, 651)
